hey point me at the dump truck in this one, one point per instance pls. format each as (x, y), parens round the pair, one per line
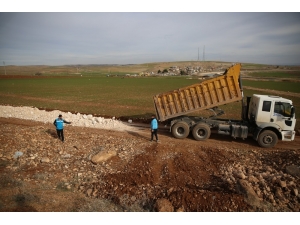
(265, 118)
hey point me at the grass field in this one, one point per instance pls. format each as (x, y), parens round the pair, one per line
(274, 85)
(277, 74)
(111, 96)
(119, 96)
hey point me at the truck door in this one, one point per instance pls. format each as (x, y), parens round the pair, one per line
(282, 113)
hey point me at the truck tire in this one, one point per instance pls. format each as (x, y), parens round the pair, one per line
(201, 132)
(180, 130)
(267, 139)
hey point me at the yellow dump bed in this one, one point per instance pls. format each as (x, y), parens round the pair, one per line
(210, 93)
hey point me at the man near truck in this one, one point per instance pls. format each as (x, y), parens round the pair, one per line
(154, 127)
(59, 123)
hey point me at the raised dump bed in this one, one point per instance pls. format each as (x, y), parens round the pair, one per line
(210, 93)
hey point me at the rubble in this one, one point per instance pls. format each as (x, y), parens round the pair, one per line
(29, 113)
(134, 174)
(265, 185)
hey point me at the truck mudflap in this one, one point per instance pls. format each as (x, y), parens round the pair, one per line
(256, 133)
(288, 135)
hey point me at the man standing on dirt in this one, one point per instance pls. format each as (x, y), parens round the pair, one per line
(154, 127)
(59, 123)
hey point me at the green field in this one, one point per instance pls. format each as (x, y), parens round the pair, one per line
(276, 74)
(274, 85)
(111, 96)
(117, 95)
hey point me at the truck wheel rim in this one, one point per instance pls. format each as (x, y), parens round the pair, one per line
(180, 130)
(268, 139)
(201, 132)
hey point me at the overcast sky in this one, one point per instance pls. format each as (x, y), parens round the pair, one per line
(55, 38)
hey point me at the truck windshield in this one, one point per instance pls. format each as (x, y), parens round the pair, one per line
(283, 108)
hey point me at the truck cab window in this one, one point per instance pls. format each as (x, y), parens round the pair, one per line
(283, 109)
(266, 106)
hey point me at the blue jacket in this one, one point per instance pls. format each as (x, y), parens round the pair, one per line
(59, 123)
(154, 124)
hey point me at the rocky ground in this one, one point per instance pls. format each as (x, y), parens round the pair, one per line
(115, 168)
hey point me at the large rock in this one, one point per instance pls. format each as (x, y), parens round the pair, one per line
(245, 188)
(293, 170)
(164, 205)
(251, 197)
(103, 156)
(45, 160)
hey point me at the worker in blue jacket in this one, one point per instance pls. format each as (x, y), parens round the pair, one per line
(154, 127)
(59, 123)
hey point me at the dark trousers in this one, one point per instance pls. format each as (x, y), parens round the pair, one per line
(60, 134)
(154, 132)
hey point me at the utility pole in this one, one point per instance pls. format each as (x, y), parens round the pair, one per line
(4, 67)
(204, 53)
(198, 54)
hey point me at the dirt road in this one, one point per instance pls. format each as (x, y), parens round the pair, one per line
(40, 173)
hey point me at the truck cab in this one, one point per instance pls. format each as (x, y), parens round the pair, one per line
(274, 118)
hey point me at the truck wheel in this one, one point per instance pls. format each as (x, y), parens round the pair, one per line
(201, 132)
(180, 130)
(267, 139)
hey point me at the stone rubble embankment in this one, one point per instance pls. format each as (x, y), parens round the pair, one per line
(269, 180)
(264, 186)
(80, 120)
